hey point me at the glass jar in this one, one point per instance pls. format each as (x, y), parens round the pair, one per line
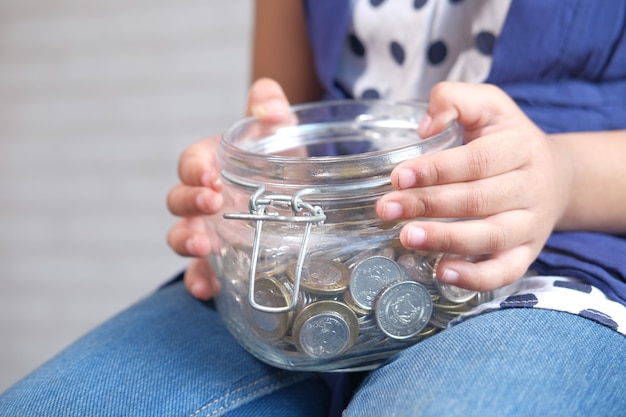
(311, 278)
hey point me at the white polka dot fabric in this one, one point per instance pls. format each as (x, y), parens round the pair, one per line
(570, 295)
(399, 49)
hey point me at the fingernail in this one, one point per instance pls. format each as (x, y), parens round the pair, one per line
(273, 107)
(190, 246)
(202, 203)
(207, 179)
(424, 125)
(217, 184)
(392, 211)
(211, 180)
(201, 290)
(215, 286)
(416, 236)
(406, 178)
(450, 276)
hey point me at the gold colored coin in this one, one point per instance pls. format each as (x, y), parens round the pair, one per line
(271, 293)
(325, 329)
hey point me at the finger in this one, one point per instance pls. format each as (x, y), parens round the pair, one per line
(486, 157)
(201, 280)
(470, 237)
(268, 102)
(465, 199)
(500, 270)
(198, 165)
(475, 106)
(183, 200)
(188, 237)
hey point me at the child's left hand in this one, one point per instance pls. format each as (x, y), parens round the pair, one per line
(508, 186)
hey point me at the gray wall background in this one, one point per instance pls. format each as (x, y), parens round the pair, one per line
(98, 98)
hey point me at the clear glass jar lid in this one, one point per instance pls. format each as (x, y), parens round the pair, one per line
(341, 147)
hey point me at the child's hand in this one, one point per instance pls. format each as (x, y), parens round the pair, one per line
(198, 193)
(506, 187)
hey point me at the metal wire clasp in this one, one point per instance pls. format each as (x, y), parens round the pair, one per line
(302, 213)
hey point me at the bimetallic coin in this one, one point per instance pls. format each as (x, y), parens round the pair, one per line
(403, 309)
(428, 331)
(325, 329)
(271, 293)
(370, 276)
(455, 294)
(323, 276)
(452, 308)
(481, 298)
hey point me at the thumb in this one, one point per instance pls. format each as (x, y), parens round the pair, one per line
(477, 107)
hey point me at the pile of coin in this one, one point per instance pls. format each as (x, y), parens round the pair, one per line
(372, 300)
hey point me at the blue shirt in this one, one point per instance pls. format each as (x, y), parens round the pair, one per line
(564, 64)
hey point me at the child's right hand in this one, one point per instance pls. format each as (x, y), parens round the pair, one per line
(199, 192)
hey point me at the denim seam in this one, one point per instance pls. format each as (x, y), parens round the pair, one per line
(267, 388)
(238, 390)
(233, 392)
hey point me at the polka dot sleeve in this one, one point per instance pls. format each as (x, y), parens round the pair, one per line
(399, 50)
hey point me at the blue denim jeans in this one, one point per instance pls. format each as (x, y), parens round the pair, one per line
(170, 355)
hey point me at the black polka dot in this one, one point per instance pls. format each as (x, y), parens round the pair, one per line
(347, 92)
(519, 300)
(376, 3)
(485, 42)
(418, 4)
(437, 52)
(599, 317)
(370, 93)
(356, 46)
(397, 52)
(576, 286)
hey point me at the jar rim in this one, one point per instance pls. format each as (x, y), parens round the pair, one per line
(280, 156)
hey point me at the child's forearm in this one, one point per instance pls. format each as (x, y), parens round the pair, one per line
(596, 162)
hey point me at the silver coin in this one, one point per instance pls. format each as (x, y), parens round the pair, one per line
(323, 276)
(439, 322)
(403, 309)
(455, 294)
(360, 312)
(370, 276)
(325, 329)
(324, 335)
(420, 266)
(303, 298)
